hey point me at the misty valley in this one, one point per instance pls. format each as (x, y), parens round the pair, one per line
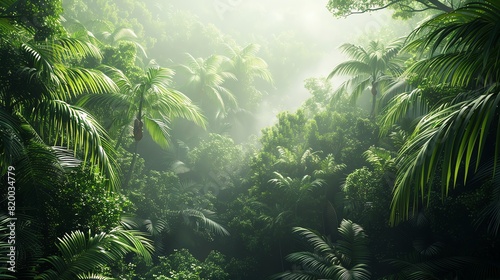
(245, 140)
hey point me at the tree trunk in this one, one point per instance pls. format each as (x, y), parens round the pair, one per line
(132, 164)
(120, 137)
(441, 6)
(134, 157)
(374, 99)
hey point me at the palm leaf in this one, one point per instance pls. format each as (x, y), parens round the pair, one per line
(406, 105)
(201, 218)
(11, 145)
(318, 243)
(468, 41)
(353, 245)
(158, 130)
(345, 259)
(93, 276)
(81, 254)
(295, 275)
(175, 104)
(154, 228)
(351, 67)
(46, 68)
(455, 134)
(245, 62)
(38, 167)
(67, 125)
(312, 262)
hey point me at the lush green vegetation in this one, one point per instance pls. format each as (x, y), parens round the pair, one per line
(127, 151)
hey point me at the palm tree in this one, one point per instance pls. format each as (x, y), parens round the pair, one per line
(345, 259)
(246, 66)
(463, 50)
(80, 254)
(296, 188)
(202, 219)
(34, 103)
(206, 80)
(370, 68)
(152, 103)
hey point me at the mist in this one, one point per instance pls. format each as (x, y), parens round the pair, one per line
(306, 25)
(202, 140)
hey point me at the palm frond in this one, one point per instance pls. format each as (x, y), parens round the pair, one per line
(72, 48)
(353, 245)
(406, 105)
(468, 41)
(11, 145)
(175, 104)
(123, 34)
(357, 272)
(354, 51)
(66, 125)
(311, 262)
(295, 275)
(317, 242)
(156, 227)
(93, 276)
(76, 81)
(345, 259)
(200, 218)
(244, 61)
(38, 168)
(80, 254)
(120, 79)
(158, 130)
(46, 67)
(92, 101)
(351, 67)
(455, 134)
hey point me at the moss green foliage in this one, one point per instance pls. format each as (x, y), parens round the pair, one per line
(402, 8)
(81, 204)
(409, 193)
(181, 265)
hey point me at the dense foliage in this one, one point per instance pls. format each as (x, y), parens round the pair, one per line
(407, 190)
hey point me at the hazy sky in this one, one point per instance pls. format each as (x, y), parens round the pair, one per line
(311, 23)
(309, 20)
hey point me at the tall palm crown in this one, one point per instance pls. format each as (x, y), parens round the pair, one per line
(149, 104)
(151, 101)
(369, 68)
(247, 66)
(206, 79)
(453, 137)
(245, 62)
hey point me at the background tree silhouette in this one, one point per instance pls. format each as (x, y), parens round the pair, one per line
(370, 68)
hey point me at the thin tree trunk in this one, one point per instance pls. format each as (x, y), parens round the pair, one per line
(132, 164)
(441, 6)
(374, 99)
(119, 140)
(134, 157)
